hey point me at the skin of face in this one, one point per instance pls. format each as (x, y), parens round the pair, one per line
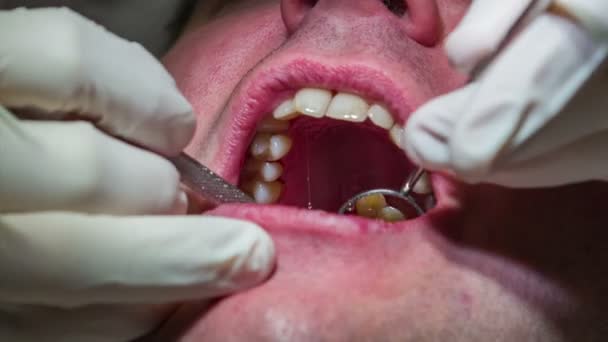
(488, 264)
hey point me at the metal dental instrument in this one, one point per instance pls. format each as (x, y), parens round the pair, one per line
(403, 194)
(206, 184)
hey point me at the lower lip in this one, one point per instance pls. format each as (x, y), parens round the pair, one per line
(276, 218)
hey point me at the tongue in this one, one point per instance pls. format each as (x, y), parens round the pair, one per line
(331, 161)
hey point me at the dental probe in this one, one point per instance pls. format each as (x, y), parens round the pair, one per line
(206, 184)
(404, 193)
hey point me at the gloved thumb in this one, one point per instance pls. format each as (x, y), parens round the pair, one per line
(428, 131)
(61, 64)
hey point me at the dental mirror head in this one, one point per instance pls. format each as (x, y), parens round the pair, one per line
(395, 205)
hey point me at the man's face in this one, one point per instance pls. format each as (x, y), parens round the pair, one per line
(485, 264)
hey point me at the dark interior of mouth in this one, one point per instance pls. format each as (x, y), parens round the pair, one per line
(331, 161)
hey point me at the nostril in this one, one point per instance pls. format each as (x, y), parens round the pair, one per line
(397, 7)
(293, 11)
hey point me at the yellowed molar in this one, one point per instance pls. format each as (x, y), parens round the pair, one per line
(369, 206)
(375, 206)
(391, 214)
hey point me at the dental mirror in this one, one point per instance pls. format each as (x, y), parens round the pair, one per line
(401, 200)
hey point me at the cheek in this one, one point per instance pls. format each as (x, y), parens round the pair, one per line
(210, 61)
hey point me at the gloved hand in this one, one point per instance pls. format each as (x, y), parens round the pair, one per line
(513, 126)
(78, 261)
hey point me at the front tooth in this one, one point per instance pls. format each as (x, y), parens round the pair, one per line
(267, 193)
(312, 101)
(348, 107)
(380, 116)
(391, 214)
(369, 206)
(423, 186)
(285, 111)
(272, 125)
(279, 146)
(396, 133)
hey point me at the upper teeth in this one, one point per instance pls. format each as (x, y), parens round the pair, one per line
(348, 107)
(375, 206)
(318, 103)
(380, 116)
(286, 110)
(312, 101)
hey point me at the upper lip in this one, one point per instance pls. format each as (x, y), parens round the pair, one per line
(264, 89)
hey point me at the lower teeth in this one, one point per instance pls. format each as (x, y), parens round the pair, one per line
(263, 192)
(391, 214)
(376, 206)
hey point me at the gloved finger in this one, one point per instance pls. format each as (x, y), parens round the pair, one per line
(591, 14)
(580, 161)
(428, 131)
(99, 323)
(58, 61)
(524, 89)
(483, 28)
(580, 118)
(70, 260)
(72, 166)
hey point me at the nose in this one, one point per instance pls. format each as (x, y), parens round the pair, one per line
(419, 18)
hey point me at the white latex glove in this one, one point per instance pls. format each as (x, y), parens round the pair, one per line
(514, 126)
(153, 24)
(78, 262)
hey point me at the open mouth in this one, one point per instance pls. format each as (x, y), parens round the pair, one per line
(320, 147)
